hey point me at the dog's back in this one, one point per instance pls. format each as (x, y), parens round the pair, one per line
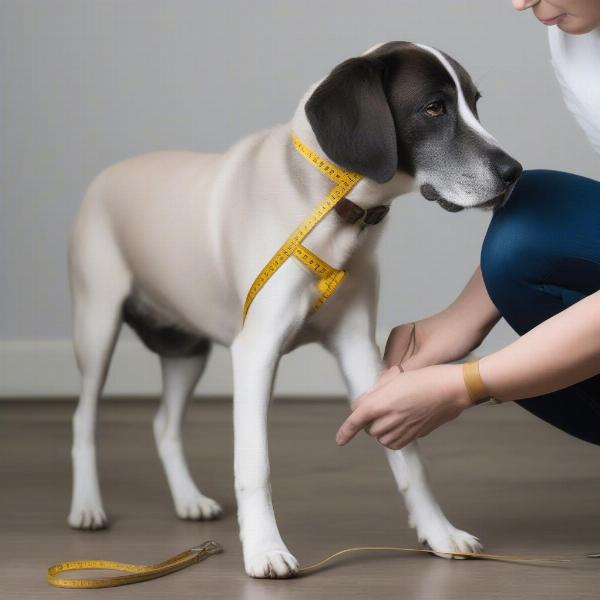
(178, 231)
(142, 228)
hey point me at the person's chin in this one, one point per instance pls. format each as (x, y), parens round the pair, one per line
(576, 26)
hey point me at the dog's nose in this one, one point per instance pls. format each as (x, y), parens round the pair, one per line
(508, 168)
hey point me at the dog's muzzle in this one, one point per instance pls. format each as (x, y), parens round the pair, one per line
(430, 193)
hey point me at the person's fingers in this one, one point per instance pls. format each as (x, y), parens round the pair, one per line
(351, 426)
(386, 376)
(398, 437)
(391, 436)
(402, 442)
(358, 419)
(383, 425)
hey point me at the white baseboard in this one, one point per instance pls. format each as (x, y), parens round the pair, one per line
(46, 368)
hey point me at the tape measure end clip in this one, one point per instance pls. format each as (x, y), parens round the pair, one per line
(210, 547)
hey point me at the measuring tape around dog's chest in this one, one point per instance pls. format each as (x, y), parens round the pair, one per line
(329, 277)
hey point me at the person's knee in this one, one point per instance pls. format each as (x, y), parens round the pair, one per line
(502, 245)
(540, 253)
(515, 249)
(531, 230)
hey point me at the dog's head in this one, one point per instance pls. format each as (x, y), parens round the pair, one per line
(407, 108)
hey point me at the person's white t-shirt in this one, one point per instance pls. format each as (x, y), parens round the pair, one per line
(576, 61)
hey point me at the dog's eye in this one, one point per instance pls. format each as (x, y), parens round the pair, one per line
(435, 109)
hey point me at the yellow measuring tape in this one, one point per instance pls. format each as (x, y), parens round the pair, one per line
(478, 555)
(329, 277)
(138, 573)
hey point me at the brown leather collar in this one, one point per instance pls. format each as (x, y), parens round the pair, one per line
(352, 213)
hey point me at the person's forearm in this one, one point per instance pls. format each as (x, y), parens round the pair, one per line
(559, 352)
(449, 334)
(473, 306)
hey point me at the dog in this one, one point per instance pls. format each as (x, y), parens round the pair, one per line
(170, 243)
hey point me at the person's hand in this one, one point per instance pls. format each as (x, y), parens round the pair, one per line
(405, 406)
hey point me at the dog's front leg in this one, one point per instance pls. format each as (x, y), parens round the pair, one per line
(359, 359)
(255, 353)
(254, 364)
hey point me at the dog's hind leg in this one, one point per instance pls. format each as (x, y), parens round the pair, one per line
(96, 326)
(360, 362)
(100, 282)
(180, 375)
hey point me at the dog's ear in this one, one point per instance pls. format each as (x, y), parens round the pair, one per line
(351, 118)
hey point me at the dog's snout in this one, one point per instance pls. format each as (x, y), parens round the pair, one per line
(508, 168)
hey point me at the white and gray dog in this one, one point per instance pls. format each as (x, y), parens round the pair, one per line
(170, 243)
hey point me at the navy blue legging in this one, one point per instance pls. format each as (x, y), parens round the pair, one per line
(540, 255)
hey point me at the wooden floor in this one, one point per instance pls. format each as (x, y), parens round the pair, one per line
(518, 484)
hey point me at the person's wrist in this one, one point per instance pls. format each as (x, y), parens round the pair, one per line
(456, 384)
(477, 390)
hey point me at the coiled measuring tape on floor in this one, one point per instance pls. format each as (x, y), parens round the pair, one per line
(138, 573)
(344, 182)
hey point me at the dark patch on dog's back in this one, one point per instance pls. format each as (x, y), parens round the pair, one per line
(165, 340)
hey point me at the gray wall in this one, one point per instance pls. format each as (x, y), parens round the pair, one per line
(85, 83)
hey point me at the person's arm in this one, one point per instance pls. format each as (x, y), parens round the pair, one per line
(448, 335)
(559, 352)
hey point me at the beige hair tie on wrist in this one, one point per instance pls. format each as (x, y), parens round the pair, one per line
(475, 387)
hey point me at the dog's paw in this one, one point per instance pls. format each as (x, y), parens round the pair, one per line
(87, 518)
(198, 508)
(444, 539)
(273, 564)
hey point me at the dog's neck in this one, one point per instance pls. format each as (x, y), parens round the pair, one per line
(367, 193)
(333, 240)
